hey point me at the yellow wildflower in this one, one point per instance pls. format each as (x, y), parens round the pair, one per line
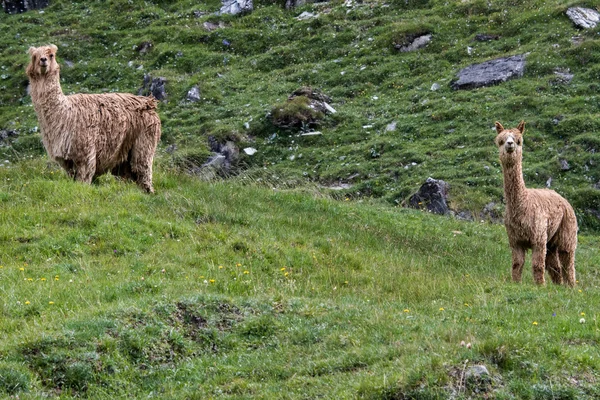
(50, 302)
(27, 302)
(535, 323)
(582, 314)
(212, 281)
(42, 279)
(406, 310)
(282, 269)
(441, 308)
(21, 269)
(220, 267)
(246, 272)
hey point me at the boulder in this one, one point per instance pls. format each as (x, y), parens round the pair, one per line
(490, 72)
(417, 43)
(585, 18)
(304, 107)
(21, 6)
(235, 7)
(562, 77)
(289, 4)
(154, 87)
(485, 37)
(477, 372)
(193, 94)
(432, 196)
(5, 134)
(211, 26)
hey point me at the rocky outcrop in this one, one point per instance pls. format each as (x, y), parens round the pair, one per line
(304, 107)
(416, 44)
(490, 72)
(432, 196)
(193, 95)
(235, 7)
(585, 18)
(154, 87)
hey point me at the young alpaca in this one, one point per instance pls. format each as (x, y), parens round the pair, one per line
(91, 134)
(537, 219)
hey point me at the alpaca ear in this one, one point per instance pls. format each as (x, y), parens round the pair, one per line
(499, 127)
(521, 127)
(31, 50)
(54, 48)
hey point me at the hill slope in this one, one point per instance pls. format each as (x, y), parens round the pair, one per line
(253, 62)
(229, 291)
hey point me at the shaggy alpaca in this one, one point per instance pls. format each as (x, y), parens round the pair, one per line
(91, 134)
(537, 219)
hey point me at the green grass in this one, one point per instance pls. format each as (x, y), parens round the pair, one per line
(257, 60)
(267, 285)
(229, 290)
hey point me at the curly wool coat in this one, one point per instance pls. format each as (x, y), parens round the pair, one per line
(537, 219)
(91, 134)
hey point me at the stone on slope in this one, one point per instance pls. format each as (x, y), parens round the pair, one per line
(490, 72)
(585, 18)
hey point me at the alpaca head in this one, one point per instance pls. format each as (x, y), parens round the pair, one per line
(510, 143)
(42, 62)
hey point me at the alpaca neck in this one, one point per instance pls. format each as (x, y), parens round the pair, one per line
(514, 186)
(47, 95)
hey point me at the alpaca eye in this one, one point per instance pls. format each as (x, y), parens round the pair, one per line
(501, 142)
(519, 142)
(51, 55)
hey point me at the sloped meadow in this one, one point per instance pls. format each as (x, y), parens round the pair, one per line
(269, 284)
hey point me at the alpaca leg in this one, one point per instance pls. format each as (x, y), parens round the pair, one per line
(518, 258)
(538, 263)
(142, 155)
(553, 266)
(567, 259)
(141, 166)
(84, 171)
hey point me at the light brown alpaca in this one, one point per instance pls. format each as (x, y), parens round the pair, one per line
(91, 134)
(537, 219)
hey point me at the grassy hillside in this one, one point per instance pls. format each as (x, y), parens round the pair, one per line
(268, 285)
(255, 61)
(230, 291)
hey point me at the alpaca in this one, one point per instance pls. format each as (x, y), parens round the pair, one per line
(91, 134)
(537, 219)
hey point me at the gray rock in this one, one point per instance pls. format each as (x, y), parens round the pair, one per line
(477, 373)
(435, 87)
(289, 4)
(564, 165)
(193, 94)
(484, 37)
(235, 7)
(144, 47)
(490, 72)
(465, 215)
(562, 77)
(154, 87)
(210, 26)
(306, 15)
(585, 18)
(391, 127)
(432, 196)
(21, 6)
(5, 134)
(215, 161)
(416, 44)
(549, 182)
(491, 212)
